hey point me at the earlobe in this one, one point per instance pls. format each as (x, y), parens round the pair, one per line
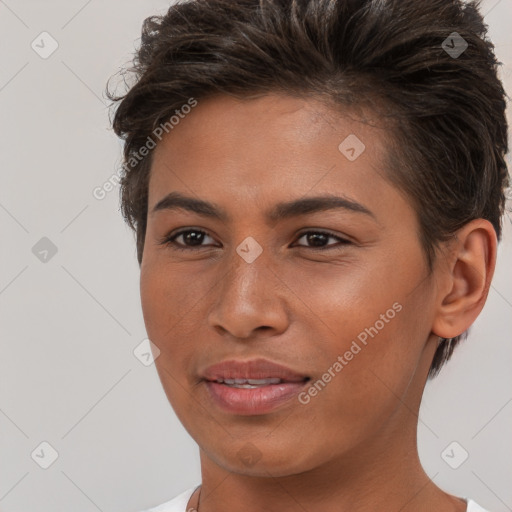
(467, 278)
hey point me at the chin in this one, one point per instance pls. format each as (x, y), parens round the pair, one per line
(263, 459)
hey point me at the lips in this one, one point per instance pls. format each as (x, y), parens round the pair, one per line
(250, 372)
(253, 387)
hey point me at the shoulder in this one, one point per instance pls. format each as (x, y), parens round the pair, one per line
(177, 504)
(474, 507)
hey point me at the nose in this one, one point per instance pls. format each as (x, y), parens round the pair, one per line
(250, 300)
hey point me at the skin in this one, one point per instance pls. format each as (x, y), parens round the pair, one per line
(353, 446)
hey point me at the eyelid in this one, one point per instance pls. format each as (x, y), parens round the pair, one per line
(170, 238)
(341, 240)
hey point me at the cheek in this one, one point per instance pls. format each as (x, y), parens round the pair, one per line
(359, 394)
(376, 319)
(168, 301)
(169, 298)
(164, 306)
(345, 298)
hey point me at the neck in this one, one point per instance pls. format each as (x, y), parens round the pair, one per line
(385, 475)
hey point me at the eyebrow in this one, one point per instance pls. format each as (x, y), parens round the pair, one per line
(281, 211)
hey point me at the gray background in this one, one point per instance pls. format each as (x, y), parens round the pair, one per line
(69, 325)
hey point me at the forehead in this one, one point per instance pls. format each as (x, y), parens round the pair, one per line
(268, 146)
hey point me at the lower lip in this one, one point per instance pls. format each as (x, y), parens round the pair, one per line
(259, 400)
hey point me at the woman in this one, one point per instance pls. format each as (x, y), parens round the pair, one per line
(316, 189)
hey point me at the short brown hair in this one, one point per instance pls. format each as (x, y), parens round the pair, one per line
(450, 135)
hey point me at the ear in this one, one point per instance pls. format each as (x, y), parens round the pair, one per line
(465, 278)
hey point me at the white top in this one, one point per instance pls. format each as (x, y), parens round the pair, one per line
(179, 504)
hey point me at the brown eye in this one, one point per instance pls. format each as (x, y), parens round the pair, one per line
(319, 239)
(191, 239)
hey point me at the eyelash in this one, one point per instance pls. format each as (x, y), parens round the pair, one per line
(169, 240)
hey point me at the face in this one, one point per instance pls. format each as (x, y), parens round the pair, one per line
(335, 291)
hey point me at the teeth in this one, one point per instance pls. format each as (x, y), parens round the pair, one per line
(252, 382)
(243, 386)
(261, 382)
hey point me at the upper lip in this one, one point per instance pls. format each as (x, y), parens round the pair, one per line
(251, 369)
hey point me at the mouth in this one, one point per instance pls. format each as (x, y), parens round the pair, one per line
(252, 387)
(255, 383)
(253, 397)
(255, 372)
